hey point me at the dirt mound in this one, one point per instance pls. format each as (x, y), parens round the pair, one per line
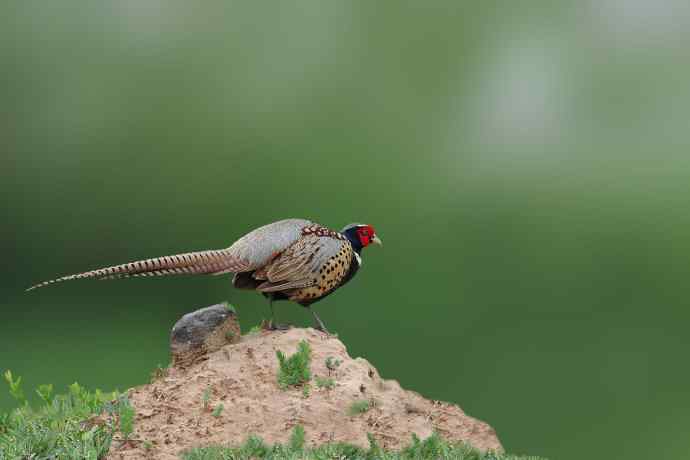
(171, 415)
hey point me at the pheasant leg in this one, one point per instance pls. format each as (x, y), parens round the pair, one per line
(272, 324)
(320, 326)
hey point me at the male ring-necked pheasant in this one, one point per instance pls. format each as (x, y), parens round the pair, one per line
(292, 259)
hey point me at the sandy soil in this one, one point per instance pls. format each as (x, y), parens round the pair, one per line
(243, 377)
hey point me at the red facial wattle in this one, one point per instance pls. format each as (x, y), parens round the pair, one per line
(365, 234)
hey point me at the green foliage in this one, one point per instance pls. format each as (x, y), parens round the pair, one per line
(125, 416)
(306, 390)
(4, 423)
(434, 447)
(294, 370)
(374, 448)
(159, 372)
(255, 447)
(297, 438)
(326, 382)
(361, 406)
(218, 410)
(77, 425)
(332, 364)
(45, 392)
(15, 387)
(229, 336)
(206, 398)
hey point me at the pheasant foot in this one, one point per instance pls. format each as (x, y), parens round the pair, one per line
(273, 326)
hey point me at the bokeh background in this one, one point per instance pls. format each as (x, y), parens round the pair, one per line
(526, 164)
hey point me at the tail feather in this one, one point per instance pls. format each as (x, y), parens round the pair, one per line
(190, 263)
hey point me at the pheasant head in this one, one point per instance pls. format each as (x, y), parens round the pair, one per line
(360, 235)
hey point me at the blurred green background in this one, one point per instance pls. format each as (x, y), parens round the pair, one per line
(526, 165)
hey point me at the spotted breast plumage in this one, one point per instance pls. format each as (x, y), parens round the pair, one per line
(292, 259)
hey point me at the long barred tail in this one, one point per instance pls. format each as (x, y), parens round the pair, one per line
(190, 263)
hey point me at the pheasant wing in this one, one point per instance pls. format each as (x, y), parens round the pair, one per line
(258, 247)
(299, 265)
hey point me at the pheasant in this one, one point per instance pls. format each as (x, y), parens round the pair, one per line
(293, 259)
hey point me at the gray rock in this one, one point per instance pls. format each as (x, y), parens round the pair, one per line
(201, 332)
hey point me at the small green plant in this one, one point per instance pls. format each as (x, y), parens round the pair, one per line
(325, 382)
(332, 364)
(217, 410)
(254, 330)
(126, 417)
(306, 390)
(297, 438)
(45, 392)
(361, 406)
(229, 336)
(159, 372)
(374, 449)
(148, 445)
(206, 398)
(15, 387)
(294, 371)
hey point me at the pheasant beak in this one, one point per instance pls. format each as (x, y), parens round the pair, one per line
(377, 240)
